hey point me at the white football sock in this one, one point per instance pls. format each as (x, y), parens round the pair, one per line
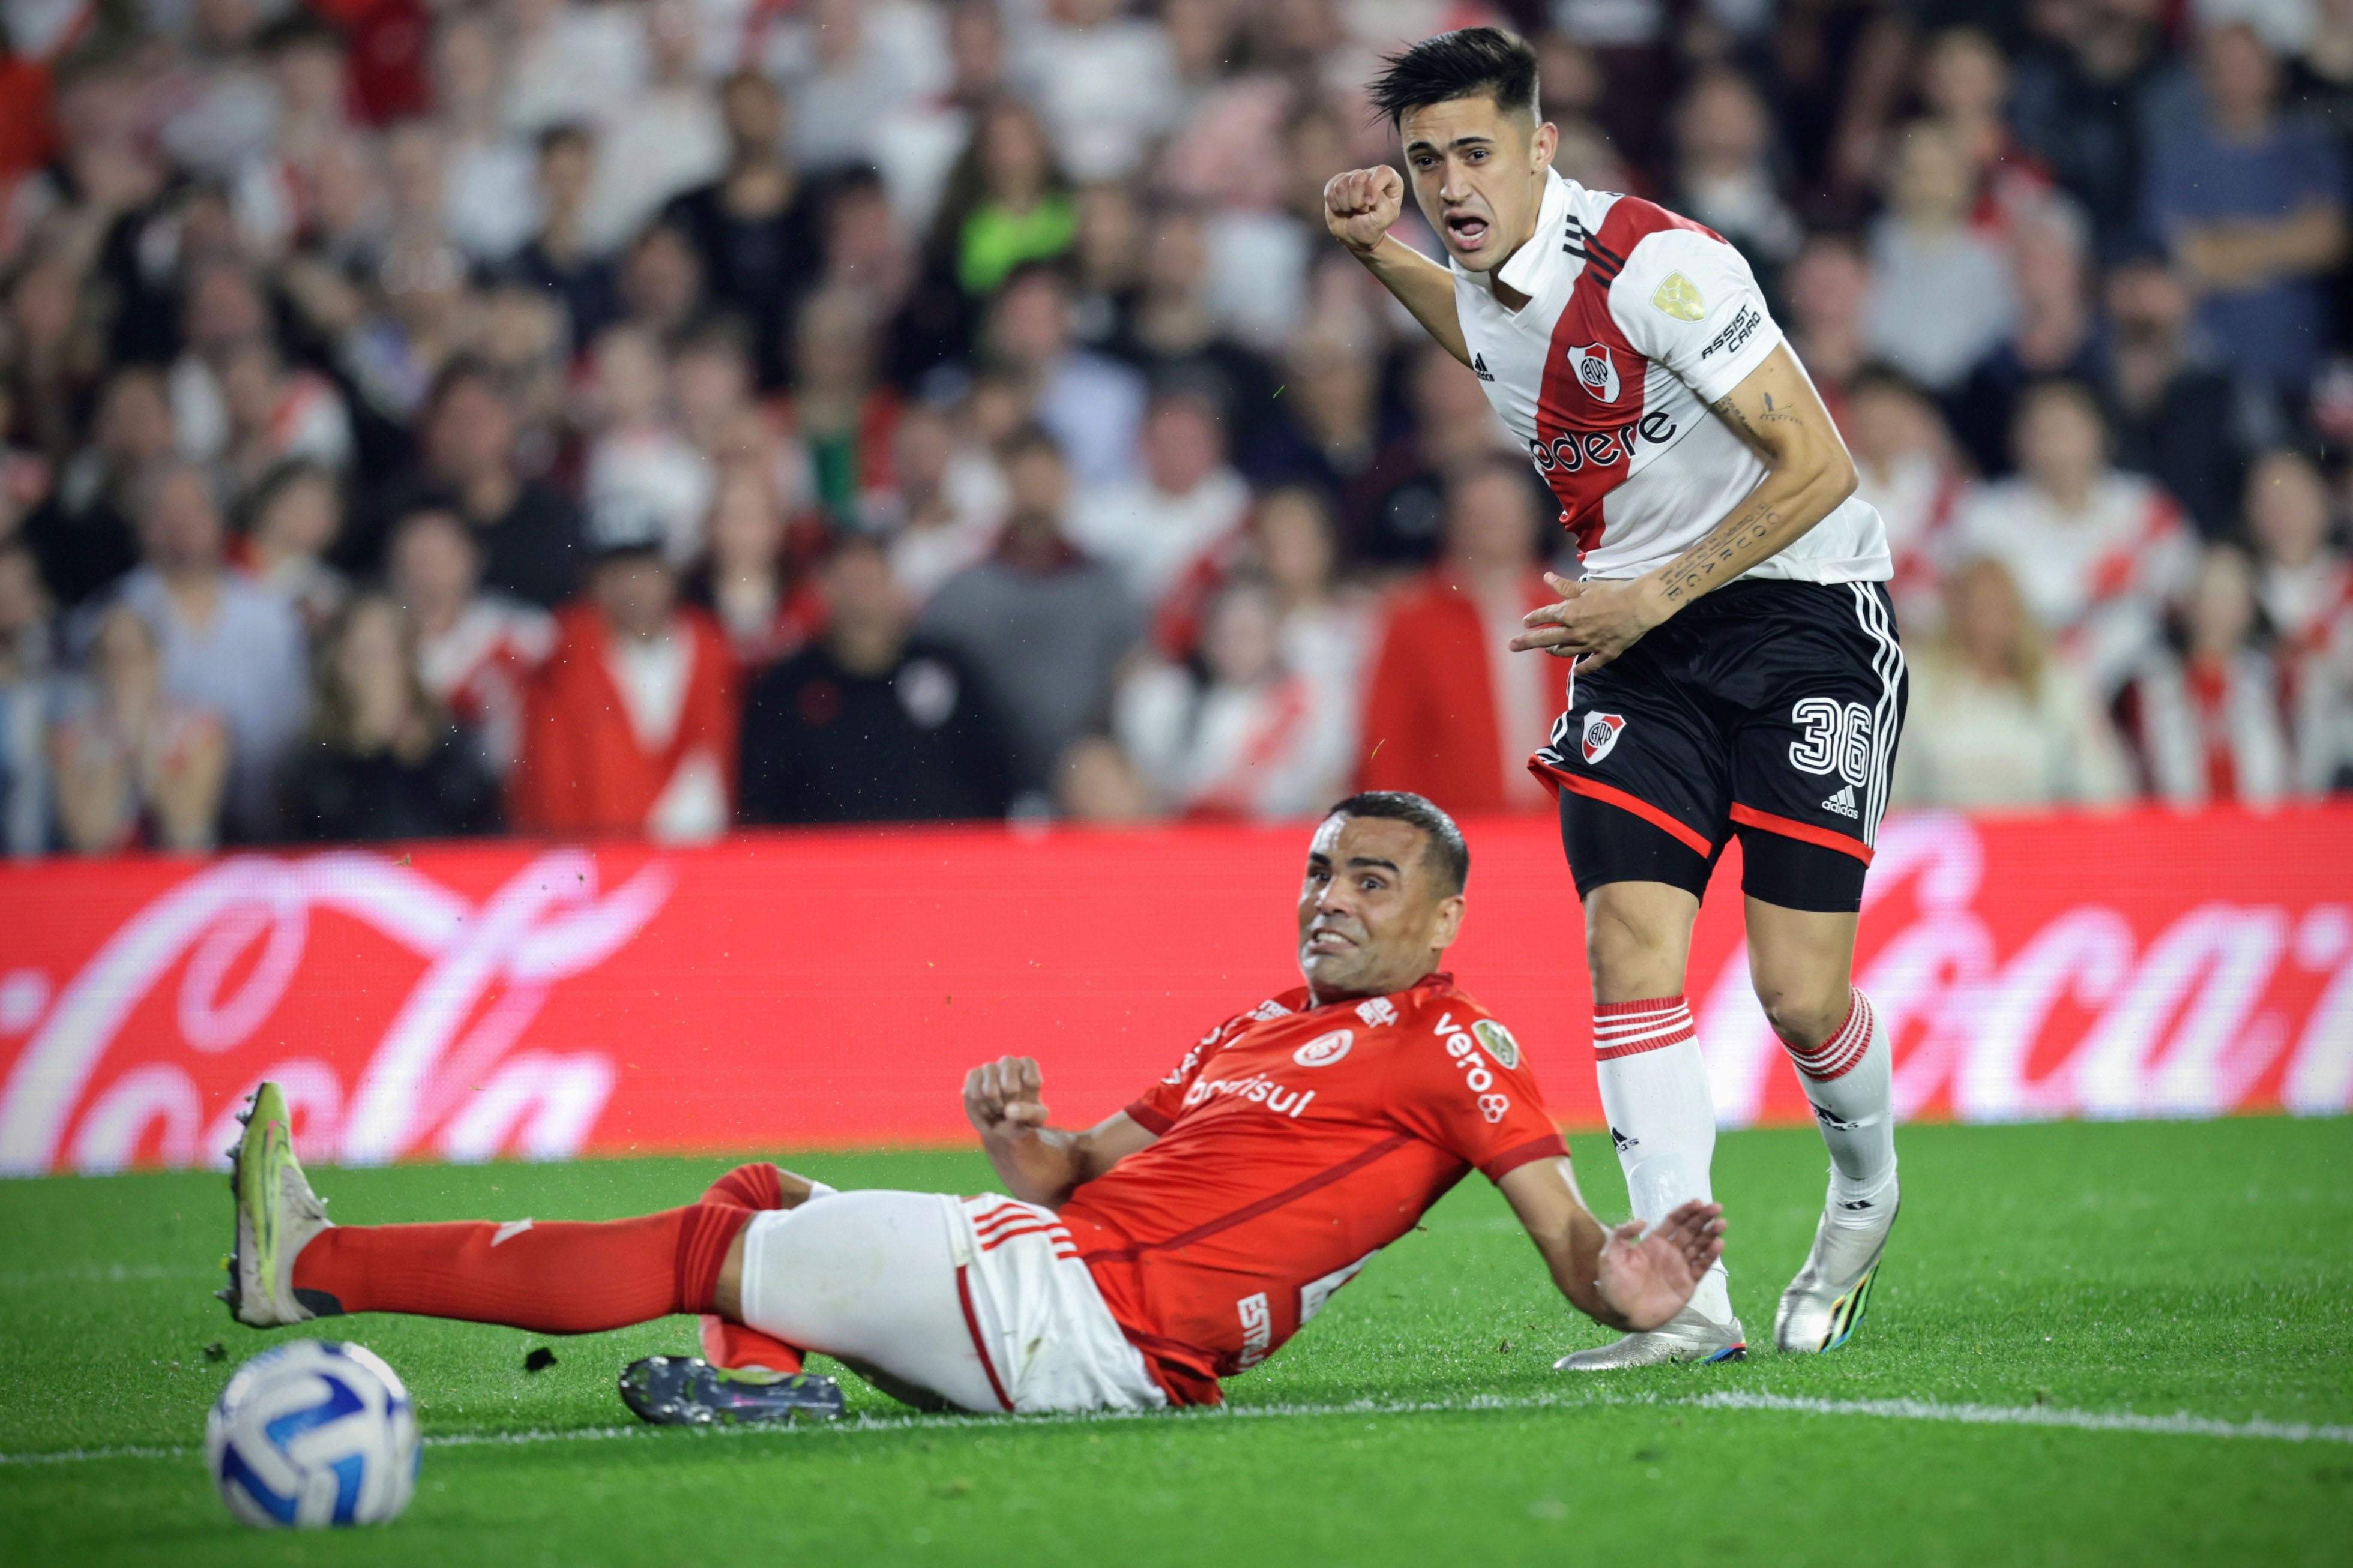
(1850, 1079)
(1661, 1116)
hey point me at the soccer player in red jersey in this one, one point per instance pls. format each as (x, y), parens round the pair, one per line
(1129, 1266)
(1736, 669)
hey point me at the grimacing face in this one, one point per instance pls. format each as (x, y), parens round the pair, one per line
(1372, 919)
(1477, 170)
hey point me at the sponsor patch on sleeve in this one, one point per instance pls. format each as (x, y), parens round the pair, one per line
(1498, 1041)
(1680, 297)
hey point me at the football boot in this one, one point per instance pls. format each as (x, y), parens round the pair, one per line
(277, 1216)
(1824, 1303)
(1688, 1336)
(686, 1391)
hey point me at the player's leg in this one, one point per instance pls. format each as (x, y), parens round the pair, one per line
(1643, 775)
(732, 1347)
(1810, 771)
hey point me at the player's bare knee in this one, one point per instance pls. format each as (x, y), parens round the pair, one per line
(1634, 947)
(1803, 1011)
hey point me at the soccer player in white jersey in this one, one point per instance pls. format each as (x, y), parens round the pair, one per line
(1734, 664)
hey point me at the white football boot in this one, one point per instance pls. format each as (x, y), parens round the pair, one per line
(1824, 1303)
(1688, 1336)
(277, 1216)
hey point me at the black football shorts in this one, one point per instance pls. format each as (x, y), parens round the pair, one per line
(1768, 709)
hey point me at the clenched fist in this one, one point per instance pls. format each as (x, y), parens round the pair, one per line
(1001, 1097)
(1361, 206)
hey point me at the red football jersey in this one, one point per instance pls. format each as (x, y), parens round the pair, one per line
(1293, 1145)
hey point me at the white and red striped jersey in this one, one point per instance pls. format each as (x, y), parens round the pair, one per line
(2097, 579)
(480, 666)
(1636, 322)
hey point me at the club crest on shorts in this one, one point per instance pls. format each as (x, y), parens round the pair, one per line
(1601, 731)
(1596, 371)
(1324, 1049)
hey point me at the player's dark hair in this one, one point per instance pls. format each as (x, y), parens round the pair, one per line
(1443, 852)
(1470, 62)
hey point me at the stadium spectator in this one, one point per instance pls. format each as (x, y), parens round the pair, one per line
(668, 138)
(1093, 406)
(1096, 782)
(1994, 722)
(631, 725)
(753, 227)
(1251, 737)
(83, 533)
(2303, 585)
(637, 459)
(2052, 338)
(2208, 720)
(277, 415)
(1965, 81)
(558, 258)
(2176, 419)
(571, 64)
(528, 533)
(1828, 287)
(660, 281)
(1172, 331)
(1157, 528)
(134, 766)
(1105, 85)
(382, 760)
(947, 507)
(850, 65)
(1448, 713)
(1941, 294)
(292, 522)
(1906, 466)
(477, 652)
(2086, 87)
(1327, 630)
(2252, 205)
(225, 645)
(1042, 626)
(27, 681)
(1399, 507)
(870, 723)
(842, 413)
(489, 198)
(2098, 553)
(224, 311)
(1106, 265)
(746, 580)
(1326, 428)
(1724, 174)
(1006, 202)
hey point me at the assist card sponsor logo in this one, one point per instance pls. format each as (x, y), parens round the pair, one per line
(1735, 335)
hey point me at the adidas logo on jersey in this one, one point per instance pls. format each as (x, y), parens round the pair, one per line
(1842, 803)
(1479, 368)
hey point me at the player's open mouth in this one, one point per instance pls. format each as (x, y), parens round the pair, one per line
(1469, 229)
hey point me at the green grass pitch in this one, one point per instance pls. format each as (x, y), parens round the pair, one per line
(2148, 1269)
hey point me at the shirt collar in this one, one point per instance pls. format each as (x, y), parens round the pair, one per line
(1530, 265)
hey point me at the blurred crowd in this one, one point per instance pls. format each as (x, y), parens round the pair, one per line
(441, 416)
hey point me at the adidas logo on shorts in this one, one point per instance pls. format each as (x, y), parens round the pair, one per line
(1842, 803)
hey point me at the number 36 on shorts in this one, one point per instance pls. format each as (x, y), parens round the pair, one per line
(1837, 739)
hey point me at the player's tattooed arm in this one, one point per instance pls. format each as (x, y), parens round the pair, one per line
(1360, 207)
(1775, 411)
(1003, 1100)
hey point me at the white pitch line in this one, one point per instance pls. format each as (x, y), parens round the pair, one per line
(2179, 1424)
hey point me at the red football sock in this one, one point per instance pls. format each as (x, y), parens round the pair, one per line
(553, 1278)
(758, 1185)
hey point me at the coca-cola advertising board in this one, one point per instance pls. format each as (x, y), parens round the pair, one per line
(828, 989)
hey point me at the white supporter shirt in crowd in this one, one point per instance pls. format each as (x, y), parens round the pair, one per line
(1915, 496)
(1937, 304)
(2312, 608)
(1277, 749)
(2097, 580)
(653, 676)
(479, 668)
(2213, 735)
(659, 469)
(1636, 322)
(1972, 743)
(1152, 538)
(1105, 92)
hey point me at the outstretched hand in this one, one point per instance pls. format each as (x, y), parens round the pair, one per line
(1002, 1097)
(1648, 1279)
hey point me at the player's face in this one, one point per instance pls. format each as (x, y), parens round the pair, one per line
(1478, 173)
(1371, 921)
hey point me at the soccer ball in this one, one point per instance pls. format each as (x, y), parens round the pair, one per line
(313, 1433)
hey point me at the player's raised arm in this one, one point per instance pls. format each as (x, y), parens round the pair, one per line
(1040, 1165)
(1618, 1278)
(1360, 207)
(1807, 473)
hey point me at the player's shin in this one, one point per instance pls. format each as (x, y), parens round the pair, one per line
(1850, 1079)
(556, 1277)
(1662, 1115)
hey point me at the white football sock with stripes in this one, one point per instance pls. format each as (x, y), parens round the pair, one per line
(1661, 1116)
(1850, 1079)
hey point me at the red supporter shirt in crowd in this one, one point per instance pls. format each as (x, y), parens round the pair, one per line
(1294, 1144)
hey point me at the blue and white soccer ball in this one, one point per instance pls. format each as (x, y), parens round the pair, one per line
(313, 1433)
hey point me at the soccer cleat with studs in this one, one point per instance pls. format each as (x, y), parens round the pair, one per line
(277, 1216)
(686, 1391)
(1688, 1337)
(1827, 1301)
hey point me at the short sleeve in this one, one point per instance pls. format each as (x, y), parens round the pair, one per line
(1687, 301)
(1469, 1090)
(1156, 1108)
